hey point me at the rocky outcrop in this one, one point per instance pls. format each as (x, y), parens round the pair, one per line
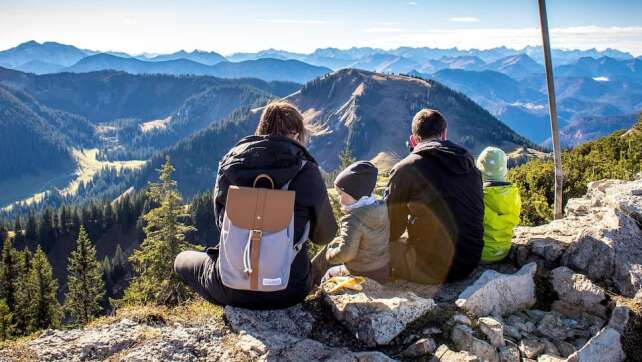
(376, 314)
(600, 236)
(555, 299)
(131, 341)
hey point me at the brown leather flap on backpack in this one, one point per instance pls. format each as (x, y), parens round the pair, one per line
(259, 209)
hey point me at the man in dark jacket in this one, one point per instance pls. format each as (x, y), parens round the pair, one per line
(436, 194)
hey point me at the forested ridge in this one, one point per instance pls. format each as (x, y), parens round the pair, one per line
(617, 156)
(126, 117)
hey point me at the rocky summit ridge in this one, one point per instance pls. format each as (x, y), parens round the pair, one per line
(569, 291)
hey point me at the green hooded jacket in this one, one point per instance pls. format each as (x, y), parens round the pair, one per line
(502, 206)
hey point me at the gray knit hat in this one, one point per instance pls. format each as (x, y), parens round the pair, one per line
(357, 180)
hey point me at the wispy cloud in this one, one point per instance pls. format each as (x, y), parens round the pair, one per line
(384, 29)
(412, 3)
(464, 19)
(295, 21)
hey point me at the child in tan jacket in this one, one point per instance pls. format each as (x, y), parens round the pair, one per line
(362, 245)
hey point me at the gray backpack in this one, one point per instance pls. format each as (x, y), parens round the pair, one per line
(256, 247)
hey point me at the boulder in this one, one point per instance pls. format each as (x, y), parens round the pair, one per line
(551, 348)
(610, 252)
(462, 337)
(420, 348)
(377, 314)
(431, 331)
(509, 354)
(566, 349)
(619, 318)
(285, 347)
(552, 326)
(605, 346)
(484, 351)
(549, 358)
(500, 294)
(294, 320)
(493, 330)
(532, 347)
(576, 291)
(445, 354)
(462, 319)
(512, 332)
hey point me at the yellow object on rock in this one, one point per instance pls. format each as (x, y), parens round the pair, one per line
(349, 282)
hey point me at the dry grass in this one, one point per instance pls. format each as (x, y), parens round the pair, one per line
(16, 350)
(633, 331)
(195, 312)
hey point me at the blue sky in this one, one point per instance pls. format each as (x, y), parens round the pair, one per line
(249, 25)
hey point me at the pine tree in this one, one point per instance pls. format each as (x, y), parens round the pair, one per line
(9, 278)
(346, 158)
(64, 220)
(21, 318)
(165, 237)
(45, 230)
(84, 281)
(108, 216)
(30, 229)
(6, 321)
(17, 229)
(38, 294)
(75, 222)
(118, 263)
(4, 232)
(107, 271)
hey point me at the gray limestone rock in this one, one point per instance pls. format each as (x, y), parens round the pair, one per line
(377, 314)
(500, 294)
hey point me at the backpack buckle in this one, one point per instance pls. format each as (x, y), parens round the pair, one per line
(256, 234)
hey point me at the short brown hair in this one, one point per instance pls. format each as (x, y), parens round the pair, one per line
(282, 119)
(428, 123)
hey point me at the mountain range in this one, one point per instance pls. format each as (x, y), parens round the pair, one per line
(370, 113)
(522, 102)
(507, 82)
(196, 119)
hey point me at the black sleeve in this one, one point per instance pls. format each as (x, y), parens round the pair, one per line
(314, 195)
(397, 197)
(220, 196)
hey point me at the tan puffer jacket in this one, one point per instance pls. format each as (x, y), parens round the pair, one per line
(362, 244)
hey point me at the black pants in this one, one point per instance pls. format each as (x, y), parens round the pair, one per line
(198, 270)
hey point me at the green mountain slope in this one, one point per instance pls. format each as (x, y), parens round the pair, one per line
(617, 156)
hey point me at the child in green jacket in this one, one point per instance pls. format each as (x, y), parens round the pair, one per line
(502, 205)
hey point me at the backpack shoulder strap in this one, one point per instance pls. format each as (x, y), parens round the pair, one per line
(287, 184)
(306, 232)
(304, 237)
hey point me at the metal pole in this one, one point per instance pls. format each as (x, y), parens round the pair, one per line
(552, 106)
